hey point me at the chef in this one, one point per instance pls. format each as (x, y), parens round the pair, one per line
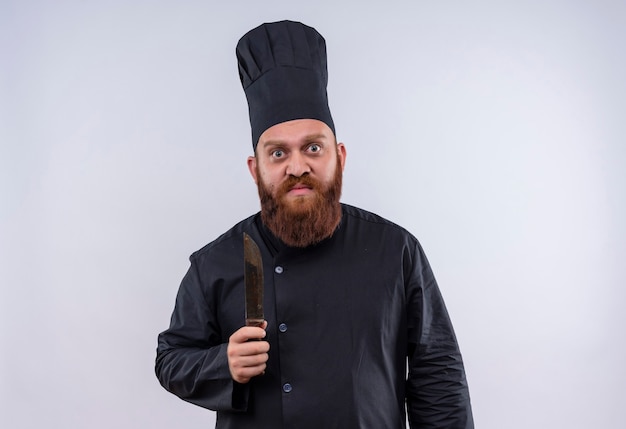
(355, 332)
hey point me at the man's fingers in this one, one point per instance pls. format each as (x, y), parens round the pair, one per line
(247, 359)
(250, 361)
(243, 375)
(243, 368)
(249, 354)
(249, 348)
(248, 333)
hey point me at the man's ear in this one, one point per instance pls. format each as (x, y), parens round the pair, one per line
(252, 168)
(342, 154)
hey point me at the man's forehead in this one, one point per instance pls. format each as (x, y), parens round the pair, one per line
(298, 130)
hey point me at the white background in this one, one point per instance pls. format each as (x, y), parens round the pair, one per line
(493, 130)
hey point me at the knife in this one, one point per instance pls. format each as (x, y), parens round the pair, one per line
(253, 278)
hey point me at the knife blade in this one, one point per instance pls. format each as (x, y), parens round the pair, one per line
(253, 279)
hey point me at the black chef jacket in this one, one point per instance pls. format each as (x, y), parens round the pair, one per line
(344, 318)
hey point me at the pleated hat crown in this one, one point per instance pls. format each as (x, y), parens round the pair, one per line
(283, 71)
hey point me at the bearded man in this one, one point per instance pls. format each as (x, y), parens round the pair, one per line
(356, 333)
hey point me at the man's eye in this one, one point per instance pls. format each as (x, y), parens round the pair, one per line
(315, 148)
(278, 153)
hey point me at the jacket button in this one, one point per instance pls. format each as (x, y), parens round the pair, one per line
(278, 270)
(282, 327)
(287, 388)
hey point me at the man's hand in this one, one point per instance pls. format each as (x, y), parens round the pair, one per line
(247, 359)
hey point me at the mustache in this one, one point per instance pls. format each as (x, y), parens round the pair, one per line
(304, 180)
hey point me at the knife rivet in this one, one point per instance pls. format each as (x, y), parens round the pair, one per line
(278, 270)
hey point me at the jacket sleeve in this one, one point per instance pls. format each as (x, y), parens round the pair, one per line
(191, 357)
(437, 391)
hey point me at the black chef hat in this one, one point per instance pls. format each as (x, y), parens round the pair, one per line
(282, 67)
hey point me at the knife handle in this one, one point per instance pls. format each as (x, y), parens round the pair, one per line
(255, 322)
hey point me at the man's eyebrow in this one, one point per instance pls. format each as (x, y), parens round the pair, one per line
(272, 143)
(311, 137)
(307, 139)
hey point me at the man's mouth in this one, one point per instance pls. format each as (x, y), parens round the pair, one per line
(300, 189)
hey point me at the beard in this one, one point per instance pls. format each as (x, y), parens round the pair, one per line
(305, 220)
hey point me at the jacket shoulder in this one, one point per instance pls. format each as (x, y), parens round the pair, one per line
(227, 239)
(375, 221)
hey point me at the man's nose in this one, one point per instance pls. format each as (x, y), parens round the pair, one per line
(297, 165)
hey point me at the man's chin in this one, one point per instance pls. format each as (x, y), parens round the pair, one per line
(299, 205)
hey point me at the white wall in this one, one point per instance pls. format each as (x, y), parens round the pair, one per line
(492, 130)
